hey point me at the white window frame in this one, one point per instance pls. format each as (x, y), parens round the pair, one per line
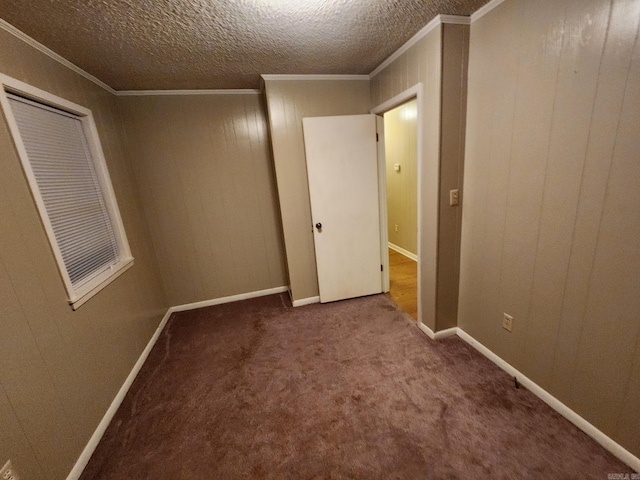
(78, 295)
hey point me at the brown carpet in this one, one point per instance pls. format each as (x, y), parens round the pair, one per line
(258, 389)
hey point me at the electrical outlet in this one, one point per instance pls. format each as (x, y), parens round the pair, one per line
(454, 198)
(8, 472)
(507, 322)
(396, 228)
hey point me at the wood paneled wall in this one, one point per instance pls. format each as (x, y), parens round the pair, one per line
(437, 61)
(551, 229)
(288, 102)
(61, 369)
(207, 184)
(455, 61)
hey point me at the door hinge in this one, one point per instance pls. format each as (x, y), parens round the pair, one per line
(377, 138)
(381, 268)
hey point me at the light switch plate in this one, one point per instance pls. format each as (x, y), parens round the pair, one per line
(454, 197)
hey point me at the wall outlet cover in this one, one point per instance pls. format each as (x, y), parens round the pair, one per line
(507, 322)
(8, 472)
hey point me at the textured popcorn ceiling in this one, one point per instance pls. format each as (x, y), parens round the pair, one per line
(193, 44)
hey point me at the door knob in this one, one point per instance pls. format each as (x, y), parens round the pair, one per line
(319, 226)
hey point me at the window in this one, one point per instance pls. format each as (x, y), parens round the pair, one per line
(63, 162)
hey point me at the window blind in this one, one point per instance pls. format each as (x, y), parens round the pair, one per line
(64, 170)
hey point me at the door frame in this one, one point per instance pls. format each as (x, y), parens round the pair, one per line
(416, 91)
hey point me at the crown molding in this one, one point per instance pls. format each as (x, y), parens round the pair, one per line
(313, 77)
(423, 32)
(50, 53)
(481, 12)
(151, 93)
(428, 28)
(4, 25)
(455, 19)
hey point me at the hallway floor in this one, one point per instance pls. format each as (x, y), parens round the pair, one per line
(403, 276)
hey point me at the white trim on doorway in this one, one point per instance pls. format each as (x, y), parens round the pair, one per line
(382, 204)
(416, 91)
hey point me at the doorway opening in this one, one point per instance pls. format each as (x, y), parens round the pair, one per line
(401, 171)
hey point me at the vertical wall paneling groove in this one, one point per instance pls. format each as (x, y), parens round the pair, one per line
(385, 86)
(551, 231)
(13, 439)
(438, 61)
(65, 367)
(541, 43)
(575, 92)
(204, 169)
(455, 52)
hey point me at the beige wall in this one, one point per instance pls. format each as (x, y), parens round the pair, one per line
(437, 61)
(207, 185)
(401, 147)
(551, 225)
(61, 369)
(288, 102)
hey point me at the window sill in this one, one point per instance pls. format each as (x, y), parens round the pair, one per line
(87, 291)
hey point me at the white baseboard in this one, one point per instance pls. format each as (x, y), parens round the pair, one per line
(229, 299)
(82, 461)
(306, 301)
(85, 456)
(449, 332)
(402, 251)
(427, 330)
(616, 449)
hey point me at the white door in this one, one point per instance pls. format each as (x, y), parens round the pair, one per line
(342, 167)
